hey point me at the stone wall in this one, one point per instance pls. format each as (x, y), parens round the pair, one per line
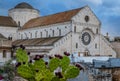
(53, 30)
(8, 31)
(62, 45)
(23, 15)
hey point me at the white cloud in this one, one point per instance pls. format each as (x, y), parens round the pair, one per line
(114, 11)
(96, 2)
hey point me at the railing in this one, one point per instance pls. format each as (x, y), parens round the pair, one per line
(5, 43)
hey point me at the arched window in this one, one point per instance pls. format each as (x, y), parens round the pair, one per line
(4, 53)
(53, 33)
(12, 54)
(21, 36)
(41, 34)
(46, 33)
(76, 45)
(36, 34)
(59, 32)
(96, 46)
(10, 37)
(87, 53)
(19, 23)
(74, 28)
(97, 31)
(30, 35)
(26, 35)
(78, 54)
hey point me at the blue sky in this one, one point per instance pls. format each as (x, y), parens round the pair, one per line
(108, 11)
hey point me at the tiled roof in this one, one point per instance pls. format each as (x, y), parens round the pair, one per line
(7, 21)
(51, 19)
(36, 42)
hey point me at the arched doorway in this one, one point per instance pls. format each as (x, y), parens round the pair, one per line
(86, 52)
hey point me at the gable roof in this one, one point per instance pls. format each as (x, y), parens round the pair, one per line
(7, 21)
(51, 19)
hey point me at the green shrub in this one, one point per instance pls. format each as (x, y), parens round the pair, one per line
(41, 71)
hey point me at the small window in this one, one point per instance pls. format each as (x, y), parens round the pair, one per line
(96, 46)
(36, 34)
(76, 45)
(110, 55)
(78, 54)
(74, 28)
(26, 35)
(21, 36)
(12, 54)
(59, 32)
(41, 34)
(86, 53)
(19, 23)
(46, 33)
(97, 31)
(4, 53)
(9, 38)
(30, 35)
(53, 33)
(86, 18)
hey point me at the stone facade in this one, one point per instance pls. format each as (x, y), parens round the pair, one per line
(11, 33)
(5, 49)
(53, 30)
(116, 46)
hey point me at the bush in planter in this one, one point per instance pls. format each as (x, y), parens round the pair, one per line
(58, 68)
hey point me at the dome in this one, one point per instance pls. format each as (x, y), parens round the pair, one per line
(24, 5)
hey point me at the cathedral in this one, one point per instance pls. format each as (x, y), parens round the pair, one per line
(74, 31)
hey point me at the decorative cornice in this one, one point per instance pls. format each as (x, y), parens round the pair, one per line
(85, 24)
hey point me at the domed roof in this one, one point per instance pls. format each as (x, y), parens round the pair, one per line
(24, 5)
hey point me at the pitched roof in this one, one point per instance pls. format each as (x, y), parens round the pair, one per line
(51, 19)
(36, 41)
(7, 21)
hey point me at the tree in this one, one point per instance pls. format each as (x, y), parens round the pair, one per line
(57, 69)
